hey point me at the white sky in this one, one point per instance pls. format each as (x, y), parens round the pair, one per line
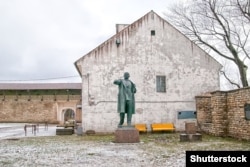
(42, 39)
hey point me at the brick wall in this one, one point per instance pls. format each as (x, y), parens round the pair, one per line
(37, 108)
(226, 112)
(204, 115)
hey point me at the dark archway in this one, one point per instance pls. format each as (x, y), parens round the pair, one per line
(69, 114)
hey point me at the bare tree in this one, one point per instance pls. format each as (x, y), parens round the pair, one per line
(220, 26)
(244, 7)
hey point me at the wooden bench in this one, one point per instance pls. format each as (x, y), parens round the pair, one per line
(162, 127)
(141, 127)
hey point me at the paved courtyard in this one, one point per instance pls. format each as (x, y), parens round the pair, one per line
(47, 149)
(10, 130)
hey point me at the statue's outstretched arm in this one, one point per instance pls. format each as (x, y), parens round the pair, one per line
(117, 82)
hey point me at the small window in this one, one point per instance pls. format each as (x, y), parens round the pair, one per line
(161, 83)
(152, 32)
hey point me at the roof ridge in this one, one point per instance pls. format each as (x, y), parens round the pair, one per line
(111, 38)
(116, 34)
(33, 86)
(129, 26)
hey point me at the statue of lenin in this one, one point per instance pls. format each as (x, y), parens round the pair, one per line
(126, 99)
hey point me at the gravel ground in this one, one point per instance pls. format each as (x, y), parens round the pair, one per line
(154, 150)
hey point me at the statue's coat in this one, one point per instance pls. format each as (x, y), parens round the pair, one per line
(121, 97)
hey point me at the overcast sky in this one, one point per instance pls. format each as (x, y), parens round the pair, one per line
(42, 39)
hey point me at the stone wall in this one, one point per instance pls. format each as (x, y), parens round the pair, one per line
(222, 113)
(37, 108)
(204, 115)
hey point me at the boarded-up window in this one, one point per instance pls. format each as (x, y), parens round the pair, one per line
(160, 83)
(247, 111)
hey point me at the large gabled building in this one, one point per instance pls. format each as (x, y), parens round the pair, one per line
(168, 69)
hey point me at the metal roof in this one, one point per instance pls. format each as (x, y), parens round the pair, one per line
(39, 86)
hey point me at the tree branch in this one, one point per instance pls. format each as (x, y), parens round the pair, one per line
(229, 80)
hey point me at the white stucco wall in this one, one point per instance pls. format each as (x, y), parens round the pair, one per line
(189, 72)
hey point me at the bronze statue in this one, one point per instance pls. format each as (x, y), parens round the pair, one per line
(126, 99)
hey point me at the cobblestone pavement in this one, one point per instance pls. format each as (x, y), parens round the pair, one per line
(154, 150)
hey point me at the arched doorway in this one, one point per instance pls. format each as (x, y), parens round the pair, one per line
(68, 114)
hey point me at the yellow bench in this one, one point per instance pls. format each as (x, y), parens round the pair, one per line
(141, 127)
(162, 127)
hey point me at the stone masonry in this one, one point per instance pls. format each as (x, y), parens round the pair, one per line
(222, 113)
(35, 108)
(40, 102)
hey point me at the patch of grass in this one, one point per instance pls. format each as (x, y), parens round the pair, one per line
(5, 162)
(169, 141)
(173, 144)
(73, 148)
(160, 137)
(99, 138)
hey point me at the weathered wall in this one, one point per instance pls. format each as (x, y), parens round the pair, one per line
(225, 112)
(144, 56)
(204, 115)
(36, 108)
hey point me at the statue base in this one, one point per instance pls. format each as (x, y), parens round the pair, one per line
(190, 137)
(127, 134)
(126, 126)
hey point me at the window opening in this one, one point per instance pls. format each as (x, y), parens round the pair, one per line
(152, 32)
(161, 83)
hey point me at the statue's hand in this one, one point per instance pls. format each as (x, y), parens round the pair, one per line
(117, 82)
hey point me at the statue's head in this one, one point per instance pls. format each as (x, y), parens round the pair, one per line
(126, 75)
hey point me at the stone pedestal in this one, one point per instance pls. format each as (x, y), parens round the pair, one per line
(79, 131)
(184, 137)
(190, 128)
(190, 137)
(127, 135)
(196, 137)
(190, 134)
(64, 131)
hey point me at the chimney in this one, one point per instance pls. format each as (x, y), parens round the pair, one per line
(120, 27)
